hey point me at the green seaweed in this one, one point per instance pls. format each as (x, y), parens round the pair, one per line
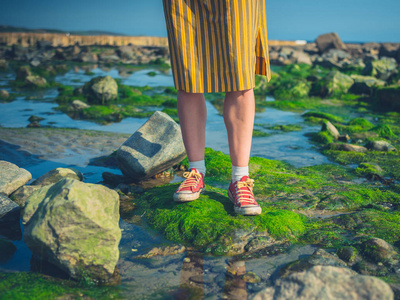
(23, 285)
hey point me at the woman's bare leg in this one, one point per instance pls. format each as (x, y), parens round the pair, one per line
(192, 114)
(239, 110)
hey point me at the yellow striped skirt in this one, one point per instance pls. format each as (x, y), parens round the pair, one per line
(217, 45)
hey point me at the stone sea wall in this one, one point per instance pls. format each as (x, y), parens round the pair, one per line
(61, 40)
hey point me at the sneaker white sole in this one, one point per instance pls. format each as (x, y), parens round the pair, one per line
(246, 210)
(186, 197)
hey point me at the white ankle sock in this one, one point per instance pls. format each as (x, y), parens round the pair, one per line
(199, 165)
(239, 172)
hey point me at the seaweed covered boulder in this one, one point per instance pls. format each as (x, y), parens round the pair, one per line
(74, 226)
(333, 84)
(382, 68)
(153, 148)
(365, 84)
(101, 90)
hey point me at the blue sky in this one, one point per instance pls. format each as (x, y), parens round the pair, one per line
(353, 20)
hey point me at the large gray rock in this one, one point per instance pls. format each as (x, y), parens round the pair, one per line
(20, 195)
(8, 209)
(334, 83)
(319, 258)
(327, 282)
(380, 251)
(4, 95)
(153, 148)
(328, 41)
(380, 146)
(56, 175)
(382, 68)
(347, 147)
(35, 81)
(365, 84)
(100, 90)
(74, 226)
(12, 177)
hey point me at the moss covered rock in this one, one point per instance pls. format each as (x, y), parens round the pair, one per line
(334, 84)
(101, 90)
(56, 175)
(365, 84)
(381, 68)
(74, 226)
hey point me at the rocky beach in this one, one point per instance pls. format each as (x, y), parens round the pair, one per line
(91, 153)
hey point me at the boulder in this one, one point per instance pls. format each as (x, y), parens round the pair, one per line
(334, 83)
(328, 41)
(101, 90)
(380, 251)
(319, 258)
(34, 118)
(368, 169)
(365, 84)
(300, 57)
(12, 177)
(20, 195)
(77, 105)
(4, 94)
(87, 57)
(329, 127)
(153, 148)
(347, 147)
(382, 68)
(56, 175)
(74, 226)
(380, 146)
(327, 282)
(35, 81)
(125, 52)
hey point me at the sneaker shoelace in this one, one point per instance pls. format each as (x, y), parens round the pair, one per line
(192, 178)
(245, 194)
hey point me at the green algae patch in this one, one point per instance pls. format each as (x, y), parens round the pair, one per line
(281, 223)
(322, 137)
(290, 198)
(366, 169)
(372, 223)
(23, 285)
(320, 115)
(384, 131)
(205, 220)
(259, 133)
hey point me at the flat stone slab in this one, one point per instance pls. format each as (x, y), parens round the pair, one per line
(153, 148)
(12, 177)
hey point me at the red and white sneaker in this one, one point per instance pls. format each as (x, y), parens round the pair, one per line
(191, 187)
(241, 194)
